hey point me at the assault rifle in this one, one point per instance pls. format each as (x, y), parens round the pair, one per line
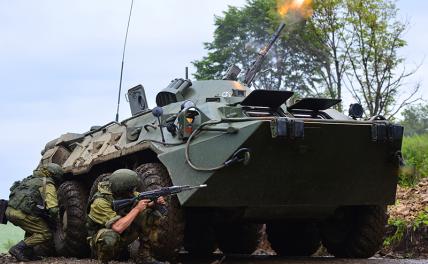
(257, 64)
(154, 195)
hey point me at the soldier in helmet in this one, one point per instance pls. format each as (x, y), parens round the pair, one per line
(112, 231)
(33, 206)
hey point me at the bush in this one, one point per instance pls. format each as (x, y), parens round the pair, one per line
(415, 153)
(399, 226)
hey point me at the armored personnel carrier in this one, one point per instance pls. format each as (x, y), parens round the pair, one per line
(307, 172)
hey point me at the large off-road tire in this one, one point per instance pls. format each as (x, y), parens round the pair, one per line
(294, 238)
(239, 238)
(171, 229)
(355, 232)
(199, 236)
(70, 235)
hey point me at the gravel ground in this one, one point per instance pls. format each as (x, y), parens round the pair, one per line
(237, 260)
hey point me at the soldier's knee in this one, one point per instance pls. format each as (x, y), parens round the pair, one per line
(14, 216)
(106, 244)
(106, 239)
(110, 239)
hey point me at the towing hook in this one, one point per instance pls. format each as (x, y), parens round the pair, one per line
(400, 159)
(241, 155)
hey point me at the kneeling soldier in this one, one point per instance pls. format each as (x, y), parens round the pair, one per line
(112, 231)
(33, 206)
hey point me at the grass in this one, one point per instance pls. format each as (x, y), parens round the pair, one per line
(9, 236)
(415, 152)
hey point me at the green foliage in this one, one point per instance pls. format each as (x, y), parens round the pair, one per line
(400, 226)
(347, 43)
(415, 153)
(415, 120)
(421, 220)
(377, 36)
(241, 33)
(328, 36)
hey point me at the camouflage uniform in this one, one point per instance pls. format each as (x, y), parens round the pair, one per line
(105, 243)
(26, 201)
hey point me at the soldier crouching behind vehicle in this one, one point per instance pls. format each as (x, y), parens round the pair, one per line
(112, 231)
(33, 206)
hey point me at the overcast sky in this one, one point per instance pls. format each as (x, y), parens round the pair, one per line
(60, 63)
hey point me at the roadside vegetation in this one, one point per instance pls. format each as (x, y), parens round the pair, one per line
(415, 145)
(408, 223)
(415, 153)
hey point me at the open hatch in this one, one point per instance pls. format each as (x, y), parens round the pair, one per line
(267, 98)
(314, 104)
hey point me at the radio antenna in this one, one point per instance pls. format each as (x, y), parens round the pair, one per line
(123, 60)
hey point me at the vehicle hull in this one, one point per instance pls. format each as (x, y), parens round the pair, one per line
(333, 165)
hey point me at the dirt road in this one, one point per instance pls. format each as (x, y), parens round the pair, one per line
(238, 260)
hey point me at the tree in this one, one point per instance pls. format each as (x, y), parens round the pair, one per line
(378, 74)
(241, 33)
(328, 40)
(415, 120)
(351, 44)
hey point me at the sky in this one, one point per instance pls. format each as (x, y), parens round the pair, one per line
(60, 63)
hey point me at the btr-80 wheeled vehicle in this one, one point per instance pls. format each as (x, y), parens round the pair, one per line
(305, 171)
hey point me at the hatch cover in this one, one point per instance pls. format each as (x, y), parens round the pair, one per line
(267, 98)
(314, 104)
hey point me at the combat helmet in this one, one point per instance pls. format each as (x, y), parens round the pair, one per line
(54, 171)
(123, 181)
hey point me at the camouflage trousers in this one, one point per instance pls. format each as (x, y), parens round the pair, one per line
(36, 229)
(108, 245)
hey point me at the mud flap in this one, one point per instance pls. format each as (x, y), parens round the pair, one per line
(3, 206)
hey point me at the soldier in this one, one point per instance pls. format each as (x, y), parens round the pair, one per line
(33, 206)
(112, 231)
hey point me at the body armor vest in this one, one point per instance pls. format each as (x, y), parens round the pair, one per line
(25, 195)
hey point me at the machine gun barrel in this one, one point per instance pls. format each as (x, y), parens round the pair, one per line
(257, 64)
(154, 195)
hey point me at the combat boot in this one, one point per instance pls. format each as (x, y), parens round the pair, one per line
(18, 251)
(144, 255)
(31, 255)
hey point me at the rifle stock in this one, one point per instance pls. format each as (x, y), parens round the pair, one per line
(122, 203)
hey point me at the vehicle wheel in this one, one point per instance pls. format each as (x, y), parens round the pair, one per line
(70, 237)
(171, 229)
(199, 237)
(355, 232)
(239, 238)
(94, 187)
(294, 239)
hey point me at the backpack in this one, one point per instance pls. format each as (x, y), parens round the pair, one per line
(25, 195)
